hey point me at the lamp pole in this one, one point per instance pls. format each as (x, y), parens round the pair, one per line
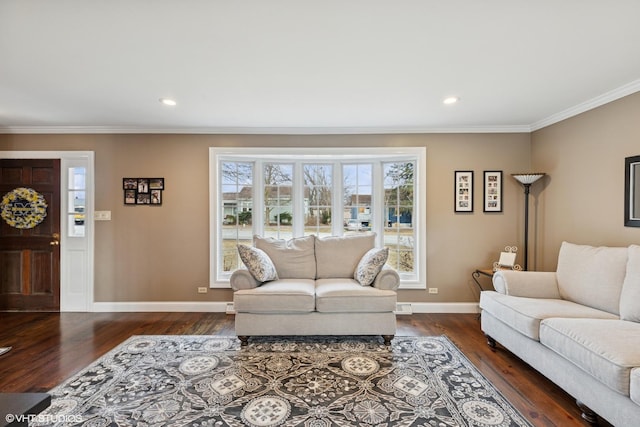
(527, 187)
(526, 179)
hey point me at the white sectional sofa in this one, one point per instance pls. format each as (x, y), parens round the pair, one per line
(578, 326)
(315, 286)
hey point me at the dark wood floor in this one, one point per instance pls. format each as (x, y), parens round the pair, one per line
(50, 347)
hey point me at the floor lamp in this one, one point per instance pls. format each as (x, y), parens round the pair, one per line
(526, 179)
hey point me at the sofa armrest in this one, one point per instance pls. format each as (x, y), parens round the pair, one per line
(387, 279)
(242, 279)
(530, 284)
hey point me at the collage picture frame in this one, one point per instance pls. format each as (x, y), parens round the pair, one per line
(463, 188)
(143, 191)
(492, 194)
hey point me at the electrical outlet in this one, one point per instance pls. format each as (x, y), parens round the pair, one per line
(433, 290)
(202, 290)
(230, 309)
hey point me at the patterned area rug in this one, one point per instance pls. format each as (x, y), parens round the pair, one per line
(281, 381)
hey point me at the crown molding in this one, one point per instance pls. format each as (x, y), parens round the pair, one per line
(257, 130)
(621, 92)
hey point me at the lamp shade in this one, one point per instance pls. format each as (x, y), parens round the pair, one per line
(528, 178)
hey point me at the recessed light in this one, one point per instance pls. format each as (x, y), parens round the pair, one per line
(168, 101)
(451, 100)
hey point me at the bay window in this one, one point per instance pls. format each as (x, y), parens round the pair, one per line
(286, 193)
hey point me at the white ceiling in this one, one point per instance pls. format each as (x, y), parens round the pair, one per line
(302, 66)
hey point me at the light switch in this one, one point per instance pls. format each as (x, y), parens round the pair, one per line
(102, 215)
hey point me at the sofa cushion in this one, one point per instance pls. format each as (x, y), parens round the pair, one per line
(634, 385)
(279, 296)
(592, 276)
(605, 349)
(348, 296)
(630, 295)
(258, 263)
(338, 256)
(293, 259)
(525, 314)
(370, 265)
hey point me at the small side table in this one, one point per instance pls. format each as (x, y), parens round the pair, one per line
(481, 272)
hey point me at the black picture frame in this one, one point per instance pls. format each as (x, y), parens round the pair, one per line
(463, 191)
(130, 183)
(632, 191)
(492, 191)
(156, 183)
(143, 199)
(143, 185)
(129, 197)
(155, 197)
(143, 191)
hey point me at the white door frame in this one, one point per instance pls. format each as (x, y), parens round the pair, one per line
(76, 253)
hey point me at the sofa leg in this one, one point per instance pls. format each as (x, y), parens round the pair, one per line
(491, 342)
(244, 340)
(387, 339)
(587, 414)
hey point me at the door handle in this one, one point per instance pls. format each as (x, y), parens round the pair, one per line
(56, 239)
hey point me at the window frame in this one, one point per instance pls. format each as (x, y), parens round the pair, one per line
(336, 155)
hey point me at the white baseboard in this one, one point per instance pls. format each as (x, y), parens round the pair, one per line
(224, 307)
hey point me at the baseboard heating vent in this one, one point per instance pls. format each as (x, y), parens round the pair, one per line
(403, 308)
(230, 309)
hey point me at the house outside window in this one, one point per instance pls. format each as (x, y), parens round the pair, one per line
(286, 193)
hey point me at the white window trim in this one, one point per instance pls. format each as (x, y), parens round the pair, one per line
(314, 154)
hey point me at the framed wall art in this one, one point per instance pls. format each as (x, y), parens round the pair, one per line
(492, 191)
(143, 191)
(156, 197)
(156, 183)
(463, 188)
(632, 191)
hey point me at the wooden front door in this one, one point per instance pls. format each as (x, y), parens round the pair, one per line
(29, 242)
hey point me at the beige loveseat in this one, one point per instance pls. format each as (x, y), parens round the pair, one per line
(578, 326)
(315, 286)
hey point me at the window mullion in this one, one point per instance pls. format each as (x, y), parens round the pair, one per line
(298, 199)
(257, 211)
(337, 201)
(377, 203)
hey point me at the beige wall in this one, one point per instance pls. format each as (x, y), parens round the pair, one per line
(150, 253)
(582, 200)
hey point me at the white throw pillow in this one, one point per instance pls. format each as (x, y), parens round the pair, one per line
(258, 263)
(370, 265)
(338, 256)
(293, 258)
